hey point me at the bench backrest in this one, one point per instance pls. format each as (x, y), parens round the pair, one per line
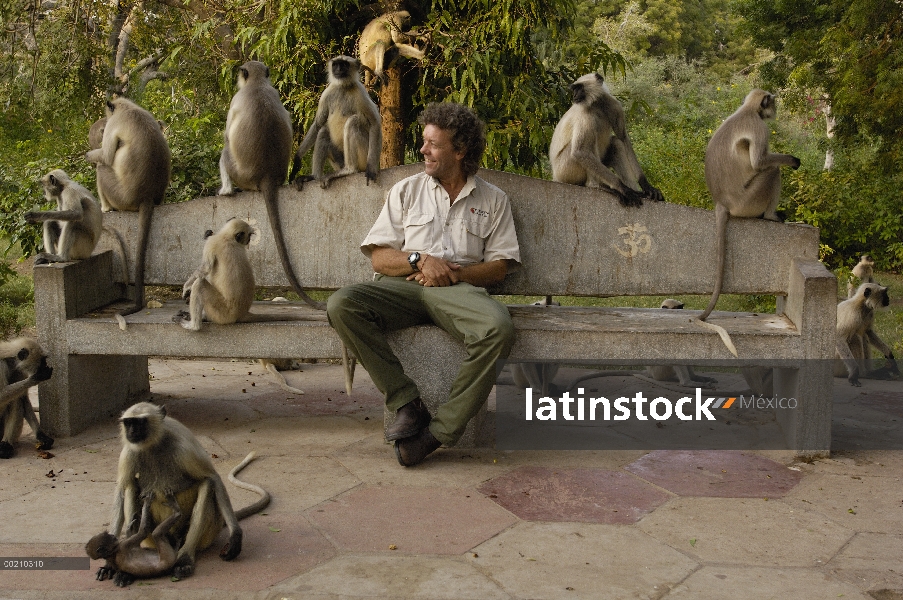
(574, 241)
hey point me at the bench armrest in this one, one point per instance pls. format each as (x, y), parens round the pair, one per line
(812, 306)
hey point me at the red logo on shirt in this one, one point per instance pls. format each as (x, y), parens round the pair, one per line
(478, 212)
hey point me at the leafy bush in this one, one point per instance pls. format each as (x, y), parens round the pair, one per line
(857, 210)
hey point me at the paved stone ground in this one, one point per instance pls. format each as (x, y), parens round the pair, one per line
(347, 521)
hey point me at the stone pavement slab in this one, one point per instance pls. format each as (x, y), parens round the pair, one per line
(756, 583)
(411, 520)
(746, 531)
(581, 560)
(724, 474)
(340, 500)
(422, 577)
(586, 495)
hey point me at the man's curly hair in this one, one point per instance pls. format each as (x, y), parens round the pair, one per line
(467, 130)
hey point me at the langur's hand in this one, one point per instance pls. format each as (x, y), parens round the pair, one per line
(31, 217)
(44, 371)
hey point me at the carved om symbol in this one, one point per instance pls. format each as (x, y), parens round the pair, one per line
(636, 240)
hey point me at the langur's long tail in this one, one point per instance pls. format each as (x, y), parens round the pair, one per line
(280, 379)
(145, 215)
(721, 217)
(270, 191)
(264, 495)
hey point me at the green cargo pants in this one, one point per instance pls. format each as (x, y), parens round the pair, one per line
(362, 313)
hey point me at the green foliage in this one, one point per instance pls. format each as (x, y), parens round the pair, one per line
(24, 159)
(16, 303)
(857, 210)
(692, 29)
(852, 50)
(685, 107)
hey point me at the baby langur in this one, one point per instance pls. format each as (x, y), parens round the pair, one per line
(683, 374)
(73, 229)
(347, 129)
(161, 457)
(22, 365)
(133, 169)
(855, 317)
(256, 152)
(221, 290)
(126, 559)
(591, 147)
(863, 272)
(385, 36)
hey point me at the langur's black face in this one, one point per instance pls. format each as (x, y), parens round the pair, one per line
(340, 68)
(136, 429)
(578, 93)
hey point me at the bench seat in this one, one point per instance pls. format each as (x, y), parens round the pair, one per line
(574, 242)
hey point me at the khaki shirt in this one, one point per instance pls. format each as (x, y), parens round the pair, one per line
(417, 217)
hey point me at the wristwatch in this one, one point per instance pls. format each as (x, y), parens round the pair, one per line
(413, 259)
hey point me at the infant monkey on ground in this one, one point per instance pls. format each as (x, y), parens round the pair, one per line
(126, 559)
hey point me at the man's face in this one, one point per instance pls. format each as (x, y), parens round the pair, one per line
(442, 160)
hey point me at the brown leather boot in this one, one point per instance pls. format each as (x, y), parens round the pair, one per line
(413, 450)
(409, 420)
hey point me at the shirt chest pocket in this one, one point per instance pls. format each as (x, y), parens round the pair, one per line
(418, 230)
(475, 232)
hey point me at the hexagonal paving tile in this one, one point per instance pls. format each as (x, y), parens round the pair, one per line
(396, 576)
(579, 560)
(746, 531)
(889, 402)
(756, 583)
(714, 473)
(862, 503)
(414, 520)
(585, 495)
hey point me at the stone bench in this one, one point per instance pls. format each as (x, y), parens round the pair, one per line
(574, 242)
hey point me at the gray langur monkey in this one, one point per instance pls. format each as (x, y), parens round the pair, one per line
(95, 134)
(161, 457)
(347, 128)
(257, 150)
(863, 272)
(133, 170)
(683, 374)
(221, 290)
(23, 364)
(72, 230)
(743, 177)
(591, 147)
(855, 317)
(386, 35)
(126, 559)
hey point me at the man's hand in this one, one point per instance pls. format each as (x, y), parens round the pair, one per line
(436, 272)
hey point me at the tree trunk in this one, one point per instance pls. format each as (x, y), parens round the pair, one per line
(392, 114)
(830, 122)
